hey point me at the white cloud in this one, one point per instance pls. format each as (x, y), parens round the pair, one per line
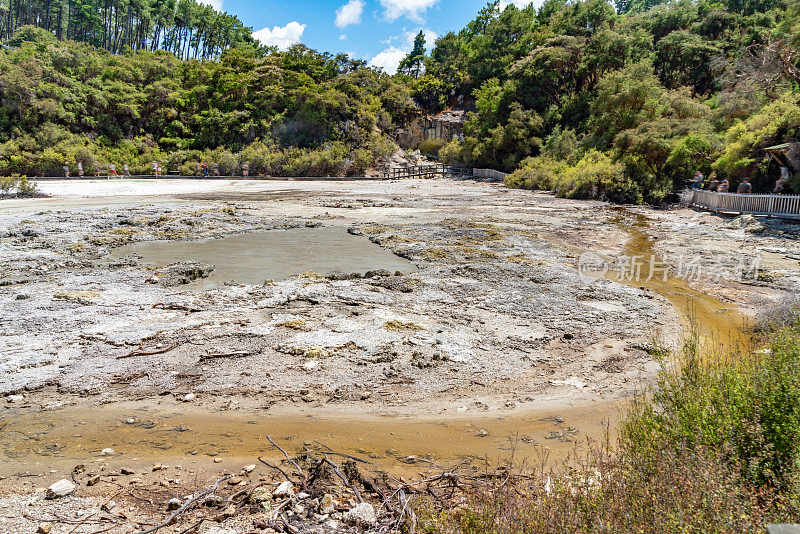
(350, 13)
(216, 4)
(283, 38)
(391, 57)
(412, 9)
(343, 37)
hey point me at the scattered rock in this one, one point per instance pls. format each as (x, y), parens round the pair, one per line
(285, 489)
(173, 504)
(249, 469)
(126, 471)
(60, 489)
(363, 514)
(214, 501)
(107, 452)
(260, 494)
(92, 480)
(327, 505)
(189, 397)
(749, 224)
(15, 398)
(44, 528)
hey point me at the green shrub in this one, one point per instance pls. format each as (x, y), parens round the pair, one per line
(431, 147)
(596, 176)
(7, 183)
(536, 173)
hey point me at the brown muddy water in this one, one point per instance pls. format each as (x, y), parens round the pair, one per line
(719, 326)
(394, 444)
(135, 429)
(276, 254)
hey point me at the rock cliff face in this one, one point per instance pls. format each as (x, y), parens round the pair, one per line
(447, 125)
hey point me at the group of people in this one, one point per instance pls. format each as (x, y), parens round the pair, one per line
(99, 170)
(744, 187)
(111, 169)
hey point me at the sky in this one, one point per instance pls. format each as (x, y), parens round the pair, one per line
(380, 32)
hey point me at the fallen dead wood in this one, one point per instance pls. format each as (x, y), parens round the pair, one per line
(139, 351)
(234, 354)
(187, 309)
(167, 522)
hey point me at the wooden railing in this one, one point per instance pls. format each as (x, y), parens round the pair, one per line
(426, 171)
(490, 174)
(787, 206)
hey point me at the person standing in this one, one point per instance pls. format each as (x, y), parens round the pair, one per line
(782, 180)
(112, 169)
(126, 171)
(96, 168)
(215, 166)
(66, 169)
(80, 169)
(745, 187)
(205, 170)
(245, 169)
(713, 183)
(697, 181)
(723, 187)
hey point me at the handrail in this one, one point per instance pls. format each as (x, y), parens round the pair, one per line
(785, 206)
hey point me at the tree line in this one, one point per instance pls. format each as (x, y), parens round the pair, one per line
(184, 27)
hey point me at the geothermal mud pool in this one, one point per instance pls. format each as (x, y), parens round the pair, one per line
(436, 320)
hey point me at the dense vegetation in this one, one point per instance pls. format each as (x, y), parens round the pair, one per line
(577, 96)
(591, 101)
(184, 27)
(286, 113)
(714, 447)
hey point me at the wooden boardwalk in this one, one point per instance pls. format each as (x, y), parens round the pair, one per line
(783, 206)
(427, 171)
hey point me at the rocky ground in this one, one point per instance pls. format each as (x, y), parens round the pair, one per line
(492, 320)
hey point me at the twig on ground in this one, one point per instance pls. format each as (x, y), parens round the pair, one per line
(288, 459)
(341, 476)
(234, 354)
(186, 506)
(287, 477)
(162, 306)
(139, 351)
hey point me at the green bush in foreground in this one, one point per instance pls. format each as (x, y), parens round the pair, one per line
(713, 447)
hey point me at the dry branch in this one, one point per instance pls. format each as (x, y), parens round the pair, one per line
(139, 351)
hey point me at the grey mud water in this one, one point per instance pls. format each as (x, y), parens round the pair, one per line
(472, 335)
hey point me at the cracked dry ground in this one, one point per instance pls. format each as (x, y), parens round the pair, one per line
(491, 316)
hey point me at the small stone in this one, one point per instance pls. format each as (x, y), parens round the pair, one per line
(299, 509)
(158, 467)
(173, 504)
(303, 495)
(327, 506)
(189, 397)
(214, 501)
(134, 481)
(130, 421)
(107, 452)
(249, 469)
(234, 481)
(62, 488)
(284, 489)
(363, 514)
(217, 460)
(260, 494)
(126, 471)
(44, 528)
(15, 398)
(229, 512)
(481, 433)
(92, 480)
(311, 365)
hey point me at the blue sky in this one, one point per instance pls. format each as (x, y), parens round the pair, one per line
(378, 31)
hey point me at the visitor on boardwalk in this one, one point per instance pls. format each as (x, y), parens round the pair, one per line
(713, 183)
(156, 168)
(80, 169)
(723, 186)
(697, 181)
(96, 168)
(112, 169)
(782, 180)
(245, 169)
(205, 169)
(215, 166)
(66, 169)
(745, 187)
(126, 171)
